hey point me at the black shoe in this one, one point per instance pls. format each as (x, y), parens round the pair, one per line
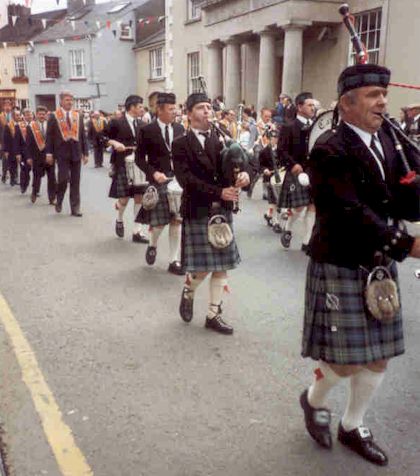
(33, 197)
(76, 214)
(23, 190)
(219, 325)
(317, 421)
(186, 305)
(268, 219)
(139, 238)
(277, 228)
(119, 229)
(58, 207)
(176, 268)
(151, 253)
(286, 238)
(53, 202)
(360, 440)
(304, 248)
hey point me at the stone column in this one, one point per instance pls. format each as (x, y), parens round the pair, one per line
(250, 72)
(215, 69)
(233, 73)
(267, 70)
(293, 58)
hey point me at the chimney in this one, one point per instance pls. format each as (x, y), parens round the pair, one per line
(75, 5)
(17, 10)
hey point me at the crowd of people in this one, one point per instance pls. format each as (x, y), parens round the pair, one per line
(174, 163)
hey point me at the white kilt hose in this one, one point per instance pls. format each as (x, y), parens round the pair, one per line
(337, 327)
(293, 194)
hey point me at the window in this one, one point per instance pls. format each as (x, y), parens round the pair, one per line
(49, 66)
(83, 104)
(20, 66)
(156, 63)
(126, 32)
(194, 9)
(77, 64)
(23, 103)
(368, 27)
(193, 72)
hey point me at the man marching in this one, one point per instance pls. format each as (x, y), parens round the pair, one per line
(198, 168)
(25, 168)
(36, 141)
(155, 159)
(13, 145)
(96, 127)
(66, 145)
(353, 324)
(5, 117)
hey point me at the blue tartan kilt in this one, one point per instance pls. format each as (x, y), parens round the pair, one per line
(198, 255)
(293, 194)
(160, 215)
(337, 326)
(120, 187)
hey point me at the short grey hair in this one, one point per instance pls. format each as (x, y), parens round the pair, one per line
(65, 93)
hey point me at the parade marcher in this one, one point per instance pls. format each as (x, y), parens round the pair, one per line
(198, 168)
(96, 128)
(36, 156)
(13, 145)
(25, 167)
(5, 117)
(154, 157)
(66, 145)
(128, 181)
(293, 155)
(354, 176)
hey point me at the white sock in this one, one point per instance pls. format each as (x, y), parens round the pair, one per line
(325, 380)
(174, 242)
(120, 211)
(217, 286)
(192, 281)
(155, 232)
(137, 227)
(292, 219)
(309, 224)
(362, 387)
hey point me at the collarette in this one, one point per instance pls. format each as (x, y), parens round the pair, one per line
(64, 111)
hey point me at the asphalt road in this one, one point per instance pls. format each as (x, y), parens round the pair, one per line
(147, 395)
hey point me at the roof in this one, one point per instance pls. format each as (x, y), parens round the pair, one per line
(158, 37)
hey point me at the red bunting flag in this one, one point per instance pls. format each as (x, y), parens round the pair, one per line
(108, 24)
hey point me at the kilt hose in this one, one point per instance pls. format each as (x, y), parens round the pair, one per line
(120, 186)
(160, 215)
(198, 255)
(293, 194)
(337, 327)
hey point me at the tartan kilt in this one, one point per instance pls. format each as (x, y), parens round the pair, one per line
(293, 194)
(160, 215)
(337, 326)
(198, 255)
(120, 187)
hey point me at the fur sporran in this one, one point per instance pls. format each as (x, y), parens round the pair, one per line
(381, 294)
(219, 232)
(150, 198)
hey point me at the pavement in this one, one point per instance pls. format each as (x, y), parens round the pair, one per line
(104, 355)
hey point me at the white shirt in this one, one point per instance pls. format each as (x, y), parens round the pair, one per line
(367, 138)
(304, 120)
(131, 120)
(162, 126)
(200, 137)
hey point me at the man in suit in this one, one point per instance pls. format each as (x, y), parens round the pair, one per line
(154, 157)
(292, 154)
(66, 144)
(96, 128)
(25, 168)
(36, 156)
(13, 145)
(355, 176)
(128, 181)
(206, 193)
(5, 117)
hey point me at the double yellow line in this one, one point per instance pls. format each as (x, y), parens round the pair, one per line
(69, 457)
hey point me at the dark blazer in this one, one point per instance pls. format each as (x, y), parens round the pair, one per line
(267, 158)
(292, 148)
(120, 130)
(353, 202)
(153, 155)
(199, 175)
(14, 144)
(62, 150)
(32, 148)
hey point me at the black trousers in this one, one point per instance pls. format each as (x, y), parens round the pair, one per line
(25, 176)
(39, 170)
(69, 172)
(13, 169)
(4, 166)
(98, 154)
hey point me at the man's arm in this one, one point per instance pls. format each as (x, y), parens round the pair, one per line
(83, 139)
(142, 153)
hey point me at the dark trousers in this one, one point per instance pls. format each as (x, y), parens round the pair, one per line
(4, 166)
(25, 176)
(13, 169)
(98, 154)
(39, 171)
(69, 171)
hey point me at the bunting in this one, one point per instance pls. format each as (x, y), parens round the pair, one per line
(44, 23)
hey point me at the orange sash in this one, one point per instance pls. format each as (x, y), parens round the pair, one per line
(67, 133)
(101, 126)
(39, 138)
(12, 127)
(22, 126)
(3, 120)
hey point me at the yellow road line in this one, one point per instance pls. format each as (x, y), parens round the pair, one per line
(69, 457)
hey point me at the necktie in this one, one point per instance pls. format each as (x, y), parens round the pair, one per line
(167, 139)
(136, 126)
(68, 120)
(207, 144)
(43, 128)
(375, 149)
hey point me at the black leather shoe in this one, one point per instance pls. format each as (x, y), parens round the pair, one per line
(176, 268)
(268, 219)
(286, 238)
(277, 228)
(317, 421)
(33, 198)
(58, 207)
(139, 238)
(53, 202)
(23, 190)
(151, 253)
(186, 305)
(360, 440)
(76, 214)
(219, 325)
(119, 229)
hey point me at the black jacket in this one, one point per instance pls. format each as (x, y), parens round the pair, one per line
(14, 144)
(33, 151)
(153, 155)
(292, 148)
(96, 138)
(353, 203)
